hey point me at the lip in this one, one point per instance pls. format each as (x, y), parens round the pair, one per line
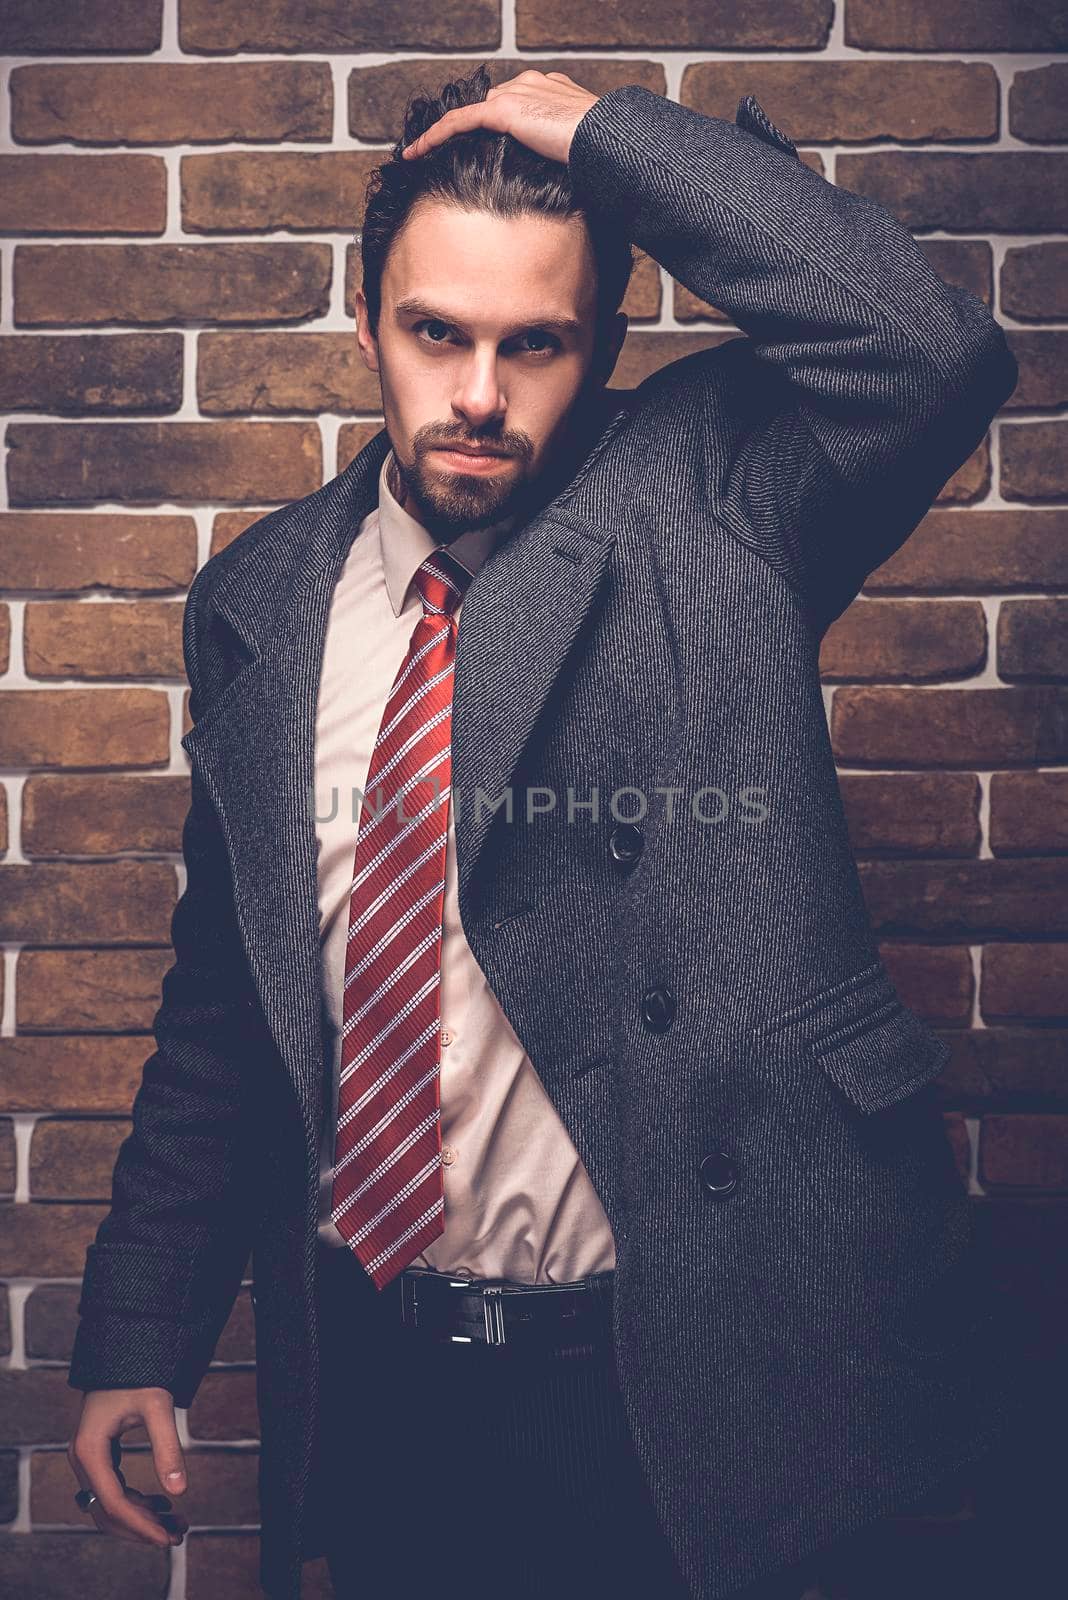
(477, 460)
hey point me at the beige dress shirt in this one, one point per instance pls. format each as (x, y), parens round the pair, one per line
(519, 1203)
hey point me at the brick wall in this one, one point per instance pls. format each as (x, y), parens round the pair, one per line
(179, 184)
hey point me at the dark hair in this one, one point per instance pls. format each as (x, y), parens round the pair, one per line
(486, 171)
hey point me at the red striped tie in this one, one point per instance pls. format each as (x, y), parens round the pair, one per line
(388, 1200)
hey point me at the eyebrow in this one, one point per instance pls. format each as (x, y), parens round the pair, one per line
(411, 305)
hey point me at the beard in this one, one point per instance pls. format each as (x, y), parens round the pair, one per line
(449, 503)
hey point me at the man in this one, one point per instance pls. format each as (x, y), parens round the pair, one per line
(684, 1160)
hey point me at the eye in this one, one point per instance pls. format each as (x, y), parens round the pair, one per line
(546, 339)
(432, 323)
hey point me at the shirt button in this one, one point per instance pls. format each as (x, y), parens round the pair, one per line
(446, 1036)
(448, 1155)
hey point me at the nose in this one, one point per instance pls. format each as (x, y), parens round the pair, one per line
(479, 400)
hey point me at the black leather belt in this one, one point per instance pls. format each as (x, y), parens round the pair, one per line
(487, 1311)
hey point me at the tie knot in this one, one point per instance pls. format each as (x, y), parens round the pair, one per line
(441, 580)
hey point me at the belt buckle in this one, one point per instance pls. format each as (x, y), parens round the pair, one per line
(493, 1312)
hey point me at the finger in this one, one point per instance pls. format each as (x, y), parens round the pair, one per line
(112, 1511)
(563, 77)
(167, 1455)
(461, 119)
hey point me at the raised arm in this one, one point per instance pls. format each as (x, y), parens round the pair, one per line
(864, 381)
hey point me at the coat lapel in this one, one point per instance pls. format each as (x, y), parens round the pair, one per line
(254, 747)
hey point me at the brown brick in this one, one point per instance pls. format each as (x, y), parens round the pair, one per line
(112, 639)
(1008, 191)
(82, 194)
(5, 642)
(102, 814)
(283, 373)
(1033, 639)
(254, 192)
(1024, 1152)
(351, 438)
(917, 813)
(222, 1483)
(1009, 1064)
(971, 481)
(1036, 103)
(84, 728)
(90, 991)
(93, 374)
(977, 552)
(184, 461)
(46, 1566)
(1034, 281)
(967, 262)
(74, 551)
(1025, 981)
(7, 1157)
(954, 25)
(567, 24)
(378, 94)
(73, 1072)
(1043, 362)
(1028, 813)
(46, 1241)
(60, 285)
(936, 981)
(219, 27)
(36, 1410)
(853, 101)
(171, 103)
(950, 727)
(9, 1481)
(225, 1407)
(645, 353)
(73, 1159)
(229, 524)
(101, 902)
(56, 27)
(905, 639)
(3, 818)
(1034, 460)
(960, 898)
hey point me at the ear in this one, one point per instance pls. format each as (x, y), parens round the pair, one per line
(365, 338)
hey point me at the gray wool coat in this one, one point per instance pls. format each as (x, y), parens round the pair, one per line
(798, 1322)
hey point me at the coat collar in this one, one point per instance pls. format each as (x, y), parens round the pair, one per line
(254, 746)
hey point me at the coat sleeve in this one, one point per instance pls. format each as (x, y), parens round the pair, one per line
(863, 380)
(166, 1263)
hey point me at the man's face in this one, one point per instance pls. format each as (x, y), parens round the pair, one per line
(485, 337)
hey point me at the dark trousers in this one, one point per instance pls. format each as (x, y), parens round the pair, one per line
(453, 1464)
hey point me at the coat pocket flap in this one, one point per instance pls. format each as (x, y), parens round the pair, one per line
(882, 1058)
(872, 1046)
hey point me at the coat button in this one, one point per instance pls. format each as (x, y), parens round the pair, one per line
(658, 1009)
(719, 1174)
(625, 843)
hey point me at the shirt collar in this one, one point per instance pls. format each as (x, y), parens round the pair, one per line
(406, 543)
